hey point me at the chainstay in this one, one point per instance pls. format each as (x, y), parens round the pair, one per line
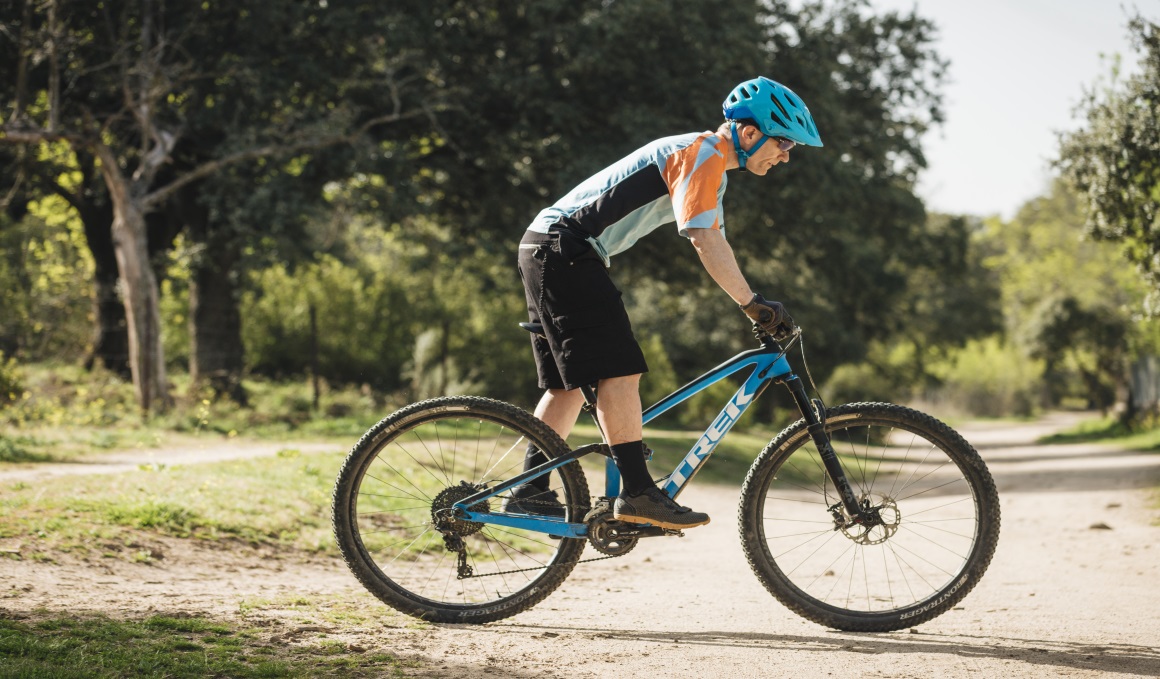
(537, 568)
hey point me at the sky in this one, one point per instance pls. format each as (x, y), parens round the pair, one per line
(1018, 68)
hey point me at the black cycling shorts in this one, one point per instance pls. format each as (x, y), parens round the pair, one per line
(589, 337)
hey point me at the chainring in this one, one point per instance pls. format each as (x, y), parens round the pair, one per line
(607, 535)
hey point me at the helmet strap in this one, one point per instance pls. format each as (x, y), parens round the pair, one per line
(742, 154)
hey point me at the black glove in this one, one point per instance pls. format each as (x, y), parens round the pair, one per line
(771, 316)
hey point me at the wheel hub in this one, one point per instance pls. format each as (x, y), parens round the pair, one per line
(876, 523)
(443, 510)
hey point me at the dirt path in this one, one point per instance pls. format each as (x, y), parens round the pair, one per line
(1060, 598)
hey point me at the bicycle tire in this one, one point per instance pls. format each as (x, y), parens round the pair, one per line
(388, 469)
(786, 489)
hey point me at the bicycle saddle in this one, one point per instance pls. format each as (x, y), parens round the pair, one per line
(534, 328)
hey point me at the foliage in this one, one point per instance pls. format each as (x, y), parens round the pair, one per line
(1067, 299)
(402, 239)
(1133, 436)
(11, 388)
(887, 375)
(45, 269)
(403, 314)
(988, 377)
(1112, 160)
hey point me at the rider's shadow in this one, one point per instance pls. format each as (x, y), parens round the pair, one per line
(1111, 657)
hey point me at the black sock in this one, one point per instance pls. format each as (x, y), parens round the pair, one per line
(634, 474)
(533, 458)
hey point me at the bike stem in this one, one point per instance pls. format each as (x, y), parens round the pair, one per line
(815, 421)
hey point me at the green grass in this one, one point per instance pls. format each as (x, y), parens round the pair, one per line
(16, 450)
(279, 501)
(1108, 430)
(66, 412)
(163, 646)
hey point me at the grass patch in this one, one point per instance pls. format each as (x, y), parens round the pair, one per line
(284, 501)
(15, 450)
(1108, 430)
(163, 646)
(65, 412)
(340, 610)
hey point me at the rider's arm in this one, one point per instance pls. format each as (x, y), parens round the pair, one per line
(719, 261)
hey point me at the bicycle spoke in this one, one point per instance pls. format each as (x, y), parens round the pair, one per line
(910, 549)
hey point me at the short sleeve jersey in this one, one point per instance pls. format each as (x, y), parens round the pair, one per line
(676, 179)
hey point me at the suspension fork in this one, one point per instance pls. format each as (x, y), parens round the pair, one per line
(816, 423)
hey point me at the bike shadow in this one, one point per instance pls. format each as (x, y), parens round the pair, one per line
(1109, 657)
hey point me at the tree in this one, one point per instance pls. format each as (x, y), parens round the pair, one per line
(1066, 298)
(1114, 159)
(558, 90)
(71, 55)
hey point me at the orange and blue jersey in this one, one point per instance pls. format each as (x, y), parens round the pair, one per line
(676, 179)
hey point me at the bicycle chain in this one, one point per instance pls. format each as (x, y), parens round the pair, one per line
(470, 574)
(535, 568)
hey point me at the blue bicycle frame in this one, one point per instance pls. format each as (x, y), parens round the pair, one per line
(767, 364)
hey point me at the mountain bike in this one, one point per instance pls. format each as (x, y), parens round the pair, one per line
(862, 517)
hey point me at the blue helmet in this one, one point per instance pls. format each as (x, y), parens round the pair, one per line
(775, 108)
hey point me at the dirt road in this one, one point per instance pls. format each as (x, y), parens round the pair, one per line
(1073, 590)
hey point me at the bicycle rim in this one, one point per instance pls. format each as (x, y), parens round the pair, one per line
(934, 535)
(409, 470)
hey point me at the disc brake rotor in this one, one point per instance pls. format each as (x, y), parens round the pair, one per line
(880, 523)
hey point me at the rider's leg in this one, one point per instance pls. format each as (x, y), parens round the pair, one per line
(618, 408)
(619, 411)
(558, 408)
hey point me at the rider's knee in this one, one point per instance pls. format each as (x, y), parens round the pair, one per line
(624, 380)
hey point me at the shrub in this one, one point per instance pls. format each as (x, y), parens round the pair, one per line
(990, 377)
(10, 385)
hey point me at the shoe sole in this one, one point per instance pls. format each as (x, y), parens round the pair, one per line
(629, 518)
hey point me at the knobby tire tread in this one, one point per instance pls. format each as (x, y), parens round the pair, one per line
(952, 443)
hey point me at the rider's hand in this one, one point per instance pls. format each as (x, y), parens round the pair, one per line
(771, 316)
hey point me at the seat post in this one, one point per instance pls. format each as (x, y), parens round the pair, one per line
(589, 392)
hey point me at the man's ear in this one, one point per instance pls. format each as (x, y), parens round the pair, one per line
(750, 132)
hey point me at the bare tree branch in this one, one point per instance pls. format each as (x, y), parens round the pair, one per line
(204, 170)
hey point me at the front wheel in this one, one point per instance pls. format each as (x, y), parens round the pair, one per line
(931, 526)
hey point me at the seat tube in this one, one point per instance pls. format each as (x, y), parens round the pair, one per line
(817, 429)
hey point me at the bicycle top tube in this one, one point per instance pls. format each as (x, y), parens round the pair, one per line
(769, 363)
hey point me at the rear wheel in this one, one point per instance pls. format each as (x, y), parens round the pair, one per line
(395, 528)
(931, 528)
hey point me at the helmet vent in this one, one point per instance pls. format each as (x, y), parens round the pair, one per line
(778, 110)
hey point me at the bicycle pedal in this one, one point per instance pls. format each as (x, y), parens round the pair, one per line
(674, 532)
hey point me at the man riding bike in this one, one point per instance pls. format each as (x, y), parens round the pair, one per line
(587, 338)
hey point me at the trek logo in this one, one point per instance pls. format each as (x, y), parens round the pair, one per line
(715, 433)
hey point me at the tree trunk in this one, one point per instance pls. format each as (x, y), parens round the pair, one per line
(141, 294)
(217, 356)
(111, 334)
(215, 326)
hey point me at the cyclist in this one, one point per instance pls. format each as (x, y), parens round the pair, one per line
(564, 259)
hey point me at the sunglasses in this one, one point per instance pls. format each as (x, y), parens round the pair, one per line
(783, 143)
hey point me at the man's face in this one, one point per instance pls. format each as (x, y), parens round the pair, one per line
(766, 157)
